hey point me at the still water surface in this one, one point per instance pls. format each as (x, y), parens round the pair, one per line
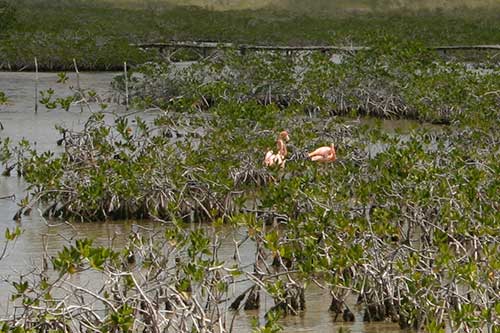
(20, 122)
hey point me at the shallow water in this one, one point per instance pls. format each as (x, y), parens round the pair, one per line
(20, 121)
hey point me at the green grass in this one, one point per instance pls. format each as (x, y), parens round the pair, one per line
(316, 7)
(97, 35)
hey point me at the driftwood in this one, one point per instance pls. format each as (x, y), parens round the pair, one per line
(215, 45)
(466, 47)
(323, 48)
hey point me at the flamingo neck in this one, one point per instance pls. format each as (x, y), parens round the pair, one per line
(333, 153)
(281, 147)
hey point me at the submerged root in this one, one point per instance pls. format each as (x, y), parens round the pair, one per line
(253, 300)
(248, 174)
(292, 302)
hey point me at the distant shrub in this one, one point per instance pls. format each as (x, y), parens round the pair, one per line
(7, 15)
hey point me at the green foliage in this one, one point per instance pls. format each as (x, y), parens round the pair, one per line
(72, 259)
(401, 219)
(122, 320)
(12, 235)
(126, 296)
(3, 98)
(62, 77)
(395, 79)
(62, 102)
(271, 325)
(8, 16)
(99, 35)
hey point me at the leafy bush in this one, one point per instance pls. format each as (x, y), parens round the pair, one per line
(7, 16)
(99, 35)
(407, 223)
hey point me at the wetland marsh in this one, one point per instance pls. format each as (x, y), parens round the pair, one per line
(142, 203)
(98, 35)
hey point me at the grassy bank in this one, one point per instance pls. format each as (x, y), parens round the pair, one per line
(319, 7)
(97, 35)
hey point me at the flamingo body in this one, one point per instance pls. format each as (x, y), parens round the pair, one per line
(272, 159)
(323, 154)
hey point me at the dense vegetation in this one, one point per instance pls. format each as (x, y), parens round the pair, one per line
(7, 16)
(98, 35)
(408, 224)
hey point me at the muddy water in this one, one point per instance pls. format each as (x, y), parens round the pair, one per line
(20, 122)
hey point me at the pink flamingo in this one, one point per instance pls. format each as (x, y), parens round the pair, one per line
(271, 158)
(324, 154)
